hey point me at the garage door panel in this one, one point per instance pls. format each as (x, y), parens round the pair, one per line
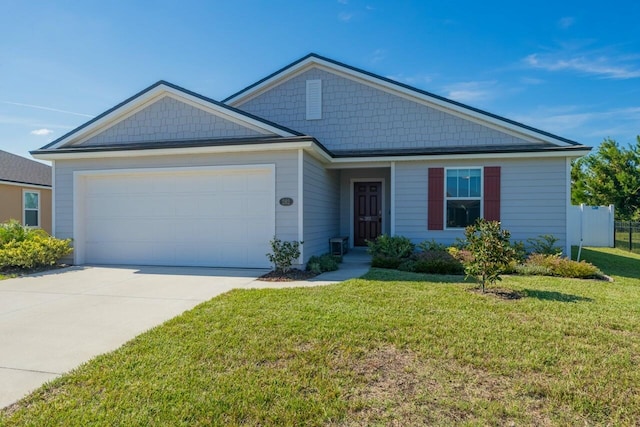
(216, 217)
(234, 183)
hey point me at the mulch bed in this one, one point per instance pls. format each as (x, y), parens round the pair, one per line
(290, 276)
(17, 272)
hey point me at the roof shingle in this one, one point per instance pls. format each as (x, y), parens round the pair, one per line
(14, 168)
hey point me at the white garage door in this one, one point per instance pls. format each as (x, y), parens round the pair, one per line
(220, 217)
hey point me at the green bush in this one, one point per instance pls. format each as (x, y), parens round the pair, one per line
(382, 261)
(491, 250)
(435, 262)
(555, 265)
(283, 254)
(545, 245)
(23, 247)
(532, 270)
(407, 265)
(391, 247)
(431, 245)
(323, 263)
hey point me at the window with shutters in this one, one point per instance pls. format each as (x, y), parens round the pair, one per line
(463, 196)
(459, 196)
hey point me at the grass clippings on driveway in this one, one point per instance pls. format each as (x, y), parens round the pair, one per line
(390, 349)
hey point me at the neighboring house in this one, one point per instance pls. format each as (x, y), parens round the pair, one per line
(316, 150)
(25, 191)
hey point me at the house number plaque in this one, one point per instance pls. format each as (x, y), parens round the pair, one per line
(286, 201)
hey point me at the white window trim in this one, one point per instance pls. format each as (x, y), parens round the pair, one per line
(24, 208)
(447, 198)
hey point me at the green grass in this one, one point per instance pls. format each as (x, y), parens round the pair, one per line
(390, 349)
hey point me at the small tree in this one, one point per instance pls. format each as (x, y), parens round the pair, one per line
(490, 249)
(283, 254)
(610, 175)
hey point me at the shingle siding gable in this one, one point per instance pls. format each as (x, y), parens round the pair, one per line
(357, 116)
(169, 119)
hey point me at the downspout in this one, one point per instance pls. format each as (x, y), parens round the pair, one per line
(392, 187)
(301, 203)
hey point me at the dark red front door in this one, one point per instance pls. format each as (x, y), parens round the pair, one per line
(367, 219)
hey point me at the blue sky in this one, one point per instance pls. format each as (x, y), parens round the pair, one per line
(567, 67)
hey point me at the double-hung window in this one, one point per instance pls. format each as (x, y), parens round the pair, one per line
(31, 215)
(463, 196)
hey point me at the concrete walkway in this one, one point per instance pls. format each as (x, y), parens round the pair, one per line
(52, 322)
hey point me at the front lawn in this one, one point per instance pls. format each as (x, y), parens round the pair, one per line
(393, 349)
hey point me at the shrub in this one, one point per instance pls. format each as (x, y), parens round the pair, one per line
(382, 261)
(545, 245)
(431, 245)
(390, 247)
(520, 251)
(21, 247)
(407, 265)
(323, 263)
(462, 255)
(12, 230)
(436, 262)
(532, 270)
(555, 265)
(283, 254)
(491, 250)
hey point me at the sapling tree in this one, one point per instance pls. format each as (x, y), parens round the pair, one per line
(491, 251)
(283, 254)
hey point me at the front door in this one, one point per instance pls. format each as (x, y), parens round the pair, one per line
(367, 198)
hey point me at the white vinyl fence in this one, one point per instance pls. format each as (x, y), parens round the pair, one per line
(593, 225)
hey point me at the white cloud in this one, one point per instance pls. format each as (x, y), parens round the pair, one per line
(600, 65)
(345, 17)
(566, 22)
(587, 127)
(30, 122)
(40, 107)
(531, 81)
(378, 55)
(471, 91)
(416, 80)
(41, 132)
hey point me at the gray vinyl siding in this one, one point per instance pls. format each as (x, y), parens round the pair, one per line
(347, 179)
(169, 119)
(321, 207)
(286, 181)
(356, 116)
(533, 198)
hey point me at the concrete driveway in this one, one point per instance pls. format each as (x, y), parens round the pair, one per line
(54, 321)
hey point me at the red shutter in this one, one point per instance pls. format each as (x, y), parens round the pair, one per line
(435, 220)
(492, 193)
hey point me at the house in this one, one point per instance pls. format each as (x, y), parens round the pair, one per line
(25, 191)
(316, 150)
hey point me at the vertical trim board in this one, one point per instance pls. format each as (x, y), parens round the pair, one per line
(435, 215)
(491, 196)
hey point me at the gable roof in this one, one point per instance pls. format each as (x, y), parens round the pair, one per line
(156, 91)
(436, 101)
(19, 170)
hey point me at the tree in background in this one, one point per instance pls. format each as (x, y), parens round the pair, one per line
(610, 175)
